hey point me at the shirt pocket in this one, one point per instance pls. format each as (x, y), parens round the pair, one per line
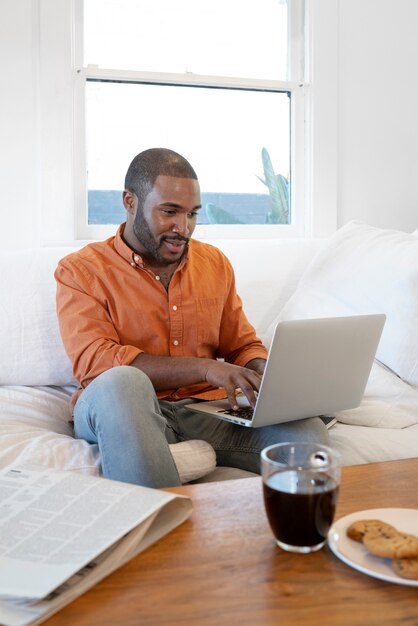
(209, 315)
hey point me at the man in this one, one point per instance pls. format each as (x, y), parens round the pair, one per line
(150, 320)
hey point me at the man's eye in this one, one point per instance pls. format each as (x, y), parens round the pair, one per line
(193, 214)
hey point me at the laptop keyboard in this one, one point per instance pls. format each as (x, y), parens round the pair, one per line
(245, 412)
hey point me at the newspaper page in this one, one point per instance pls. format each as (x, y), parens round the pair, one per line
(62, 532)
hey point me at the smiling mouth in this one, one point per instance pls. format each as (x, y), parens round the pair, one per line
(175, 245)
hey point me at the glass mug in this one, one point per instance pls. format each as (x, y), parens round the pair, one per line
(300, 487)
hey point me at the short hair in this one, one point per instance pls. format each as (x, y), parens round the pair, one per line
(149, 164)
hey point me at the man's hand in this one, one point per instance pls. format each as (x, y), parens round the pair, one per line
(233, 377)
(258, 365)
(171, 372)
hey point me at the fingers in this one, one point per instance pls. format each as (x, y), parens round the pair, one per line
(250, 395)
(232, 378)
(232, 399)
(246, 384)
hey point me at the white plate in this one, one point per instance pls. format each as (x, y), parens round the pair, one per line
(356, 555)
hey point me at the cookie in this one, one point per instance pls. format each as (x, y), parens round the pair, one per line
(407, 568)
(388, 542)
(358, 529)
(382, 539)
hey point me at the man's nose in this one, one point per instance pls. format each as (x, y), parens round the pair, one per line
(181, 225)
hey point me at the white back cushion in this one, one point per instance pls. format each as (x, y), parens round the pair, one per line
(32, 352)
(364, 269)
(267, 272)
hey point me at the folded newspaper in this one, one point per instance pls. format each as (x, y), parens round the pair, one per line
(62, 532)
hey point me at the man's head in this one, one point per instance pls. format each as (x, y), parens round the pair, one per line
(147, 165)
(162, 198)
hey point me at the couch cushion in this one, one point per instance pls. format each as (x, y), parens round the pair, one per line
(267, 272)
(364, 269)
(32, 352)
(35, 428)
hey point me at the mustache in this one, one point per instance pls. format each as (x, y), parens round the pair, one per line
(175, 238)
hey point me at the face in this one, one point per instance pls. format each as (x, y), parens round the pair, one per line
(161, 230)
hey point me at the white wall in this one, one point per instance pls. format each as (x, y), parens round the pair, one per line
(377, 124)
(19, 125)
(378, 112)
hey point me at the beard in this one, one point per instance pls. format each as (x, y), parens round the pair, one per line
(151, 245)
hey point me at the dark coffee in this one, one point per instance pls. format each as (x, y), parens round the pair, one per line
(300, 506)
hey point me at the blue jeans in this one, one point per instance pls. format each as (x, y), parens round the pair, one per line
(120, 412)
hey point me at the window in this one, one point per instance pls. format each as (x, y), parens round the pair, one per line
(221, 82)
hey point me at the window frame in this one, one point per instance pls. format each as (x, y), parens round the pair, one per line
(294, 87)
(313, 123)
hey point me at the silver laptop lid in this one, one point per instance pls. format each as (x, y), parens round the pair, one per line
(317, 367)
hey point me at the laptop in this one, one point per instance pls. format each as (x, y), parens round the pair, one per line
(314, 367)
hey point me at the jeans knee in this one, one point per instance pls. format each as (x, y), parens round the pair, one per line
(121, 386)
(123, 378)
(120, 395)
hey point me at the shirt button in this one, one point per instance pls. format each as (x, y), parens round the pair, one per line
(175, 342)
(136, 258)
(174, 308)
(157, 278)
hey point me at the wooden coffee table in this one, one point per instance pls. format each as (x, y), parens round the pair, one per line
(222, 566)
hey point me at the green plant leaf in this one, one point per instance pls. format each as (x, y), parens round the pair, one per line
(283, 193)
(278, 189)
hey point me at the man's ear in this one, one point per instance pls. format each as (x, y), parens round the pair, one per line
(129, 201)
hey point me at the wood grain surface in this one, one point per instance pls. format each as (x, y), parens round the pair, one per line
(223, 567)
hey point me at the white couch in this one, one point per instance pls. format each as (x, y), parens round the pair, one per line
(359, 269)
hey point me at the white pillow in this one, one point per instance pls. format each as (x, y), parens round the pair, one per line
(32, 352)
(364, 269)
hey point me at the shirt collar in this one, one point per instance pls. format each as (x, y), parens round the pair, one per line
(122, 248)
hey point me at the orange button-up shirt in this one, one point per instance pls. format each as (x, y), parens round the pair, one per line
(111, 308)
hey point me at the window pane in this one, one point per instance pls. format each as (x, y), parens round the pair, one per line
(222, 132)
(246, 38)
